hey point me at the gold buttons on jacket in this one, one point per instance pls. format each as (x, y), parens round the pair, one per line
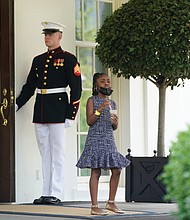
(46, 70)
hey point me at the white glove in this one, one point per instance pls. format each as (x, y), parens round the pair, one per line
(16, 107)
(68, 123)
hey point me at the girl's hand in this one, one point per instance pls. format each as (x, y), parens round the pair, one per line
(114, 120)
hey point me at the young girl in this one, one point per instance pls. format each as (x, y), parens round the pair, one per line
(100, 151)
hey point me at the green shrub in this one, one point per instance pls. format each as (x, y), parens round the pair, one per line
(176, 175)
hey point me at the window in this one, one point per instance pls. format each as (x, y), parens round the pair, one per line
(90, 15)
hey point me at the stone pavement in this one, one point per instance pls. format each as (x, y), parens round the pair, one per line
(140, 211)
(155, 211)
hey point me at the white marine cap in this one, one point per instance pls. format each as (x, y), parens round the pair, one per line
(52, 27)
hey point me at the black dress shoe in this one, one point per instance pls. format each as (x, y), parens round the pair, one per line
(47, 200)
(41, 200)
(52, 200)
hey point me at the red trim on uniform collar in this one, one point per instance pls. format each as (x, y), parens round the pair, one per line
(54, 50)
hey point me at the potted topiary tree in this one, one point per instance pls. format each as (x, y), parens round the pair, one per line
(149, 39)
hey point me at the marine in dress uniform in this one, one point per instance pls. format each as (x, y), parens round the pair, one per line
(51, 73)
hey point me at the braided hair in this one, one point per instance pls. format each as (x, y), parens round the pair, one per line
(95, 77)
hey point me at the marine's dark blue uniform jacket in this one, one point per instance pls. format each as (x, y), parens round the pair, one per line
(53, 69)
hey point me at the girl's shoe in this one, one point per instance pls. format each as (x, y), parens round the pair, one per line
(95, 210)
(112, 207)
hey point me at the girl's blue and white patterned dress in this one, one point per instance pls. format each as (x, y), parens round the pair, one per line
(100, 150)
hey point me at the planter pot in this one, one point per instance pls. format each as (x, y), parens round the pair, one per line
(142, 179)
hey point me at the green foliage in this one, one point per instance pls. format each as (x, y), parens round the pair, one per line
(148, 38)
(176, 175)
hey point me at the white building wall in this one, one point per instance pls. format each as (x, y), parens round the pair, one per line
(137, 111)
(152, 117)
(177, 112)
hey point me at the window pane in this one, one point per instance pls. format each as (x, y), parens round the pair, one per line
(78, 20)
(99, 67)
(105, 10)
(90, 20)
(85, 172)
(83, 123)
(105, 172)
(86, 62)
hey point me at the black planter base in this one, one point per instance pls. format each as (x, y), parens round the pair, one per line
(142, 179)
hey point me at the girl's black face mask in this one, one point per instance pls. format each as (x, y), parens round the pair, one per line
(105, 91)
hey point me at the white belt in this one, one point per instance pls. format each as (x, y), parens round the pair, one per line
(50, 91)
